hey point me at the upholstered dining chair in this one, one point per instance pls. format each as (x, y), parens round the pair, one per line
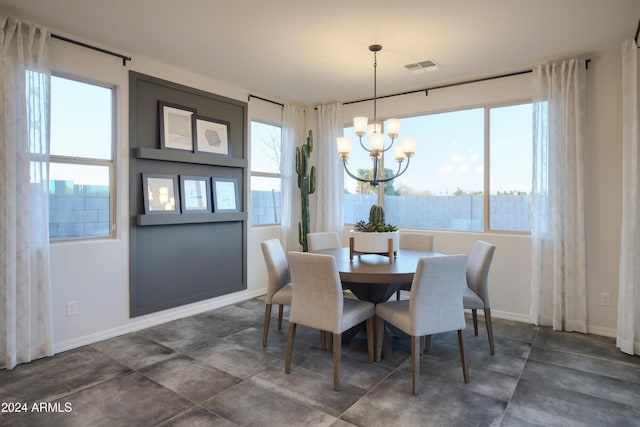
(323, 240)
(434, 306)
(278, 286)
(416, 241)
(317, 302)
(476, 294)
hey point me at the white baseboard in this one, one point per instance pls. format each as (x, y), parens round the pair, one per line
(154, 319)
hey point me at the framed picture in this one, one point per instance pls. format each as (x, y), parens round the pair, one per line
(195, 194)
(176, 126)
(212, 136)
(160, 193)
(225, 195)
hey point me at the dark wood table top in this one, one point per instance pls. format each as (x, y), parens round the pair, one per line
(376, 269)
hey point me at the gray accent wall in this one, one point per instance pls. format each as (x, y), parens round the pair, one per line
(180, 258)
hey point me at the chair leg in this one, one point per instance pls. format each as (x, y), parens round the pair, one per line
(267, 319)
(379, 334)
(398, 295)
(427, 343)
(337, 348)
(463, 358)
(280, 313)
(415, 363)
(370, 335)
(323, 341)
(487, 319)
(287, 360)
(474, 314)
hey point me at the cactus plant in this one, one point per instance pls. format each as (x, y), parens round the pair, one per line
(307, 185)
(376, 222)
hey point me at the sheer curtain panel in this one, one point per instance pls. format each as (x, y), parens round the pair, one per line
(558, 289)
(628, 331)
(330, 185)
(25, 293)
(292, 136)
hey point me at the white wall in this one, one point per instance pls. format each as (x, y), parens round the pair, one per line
(95, 273)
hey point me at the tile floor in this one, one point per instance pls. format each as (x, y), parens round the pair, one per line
(211, 370)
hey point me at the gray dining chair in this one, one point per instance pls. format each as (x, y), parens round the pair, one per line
(476, 294)
(418, 242)
(278, 286)
(434, 306)
(323, 240)
(317, 302)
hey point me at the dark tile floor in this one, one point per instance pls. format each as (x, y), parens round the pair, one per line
(211, 370)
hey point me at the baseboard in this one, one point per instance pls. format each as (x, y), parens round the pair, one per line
(158, 318)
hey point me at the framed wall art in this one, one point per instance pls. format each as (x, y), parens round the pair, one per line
(176, 126)
(160, 193)
(225, 195)
(211, 136)
(195, 192)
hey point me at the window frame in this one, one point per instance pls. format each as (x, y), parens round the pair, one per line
(87, 161)
(487, 107)
(257, 174)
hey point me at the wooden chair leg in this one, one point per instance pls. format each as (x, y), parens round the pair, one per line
(370, 336)
(415, 363)
(474, 314)
(267, 319)
(337, 348)
(463, 358)
(487, 319)
(287, 360)
(280, 314)
(379, 334)
(398, 295)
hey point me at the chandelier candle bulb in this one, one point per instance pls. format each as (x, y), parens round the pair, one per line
(360, 125)
(376, 142)
(399, 153)
(344, 146)
(409, 146)
(393, 128)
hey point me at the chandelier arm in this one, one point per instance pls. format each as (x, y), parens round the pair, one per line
(362, 145)
(357, 178)
(398, 174)
(390, 145)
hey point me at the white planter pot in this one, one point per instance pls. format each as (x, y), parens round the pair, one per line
(374, 242)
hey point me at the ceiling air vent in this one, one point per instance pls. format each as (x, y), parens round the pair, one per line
(422, 66)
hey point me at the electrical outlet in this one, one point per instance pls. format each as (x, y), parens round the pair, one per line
(72, 308)
(605, 299)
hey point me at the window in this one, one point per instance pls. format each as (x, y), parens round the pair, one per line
(81, 171)
(445, 185)
(266, 141)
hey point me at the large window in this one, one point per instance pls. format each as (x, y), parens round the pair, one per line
(81, 168)
(460, 157)
(265, 173)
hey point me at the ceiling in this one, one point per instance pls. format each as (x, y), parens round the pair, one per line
(316, 52)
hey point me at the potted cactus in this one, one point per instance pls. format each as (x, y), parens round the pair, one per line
(375, 236)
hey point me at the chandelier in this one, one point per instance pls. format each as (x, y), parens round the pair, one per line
(376, 139)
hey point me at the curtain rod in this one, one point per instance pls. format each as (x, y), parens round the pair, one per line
(88, 46)
(264, 99)
(426, 90)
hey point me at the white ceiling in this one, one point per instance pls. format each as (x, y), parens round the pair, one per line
(303, 51)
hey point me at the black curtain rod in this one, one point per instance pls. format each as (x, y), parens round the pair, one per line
(88, 46)
(264, 99)
(426, 90)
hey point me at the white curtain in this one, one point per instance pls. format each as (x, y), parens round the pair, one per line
(25, 295)
(628, 331)
(330, 184)
(558, 290)
(292, 136)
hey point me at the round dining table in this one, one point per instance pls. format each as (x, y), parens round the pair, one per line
(371, 277)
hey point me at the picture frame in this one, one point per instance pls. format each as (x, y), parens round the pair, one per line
(160, 194)
(176, 126)
(225, 195)
(211, 136)
(195, 192)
